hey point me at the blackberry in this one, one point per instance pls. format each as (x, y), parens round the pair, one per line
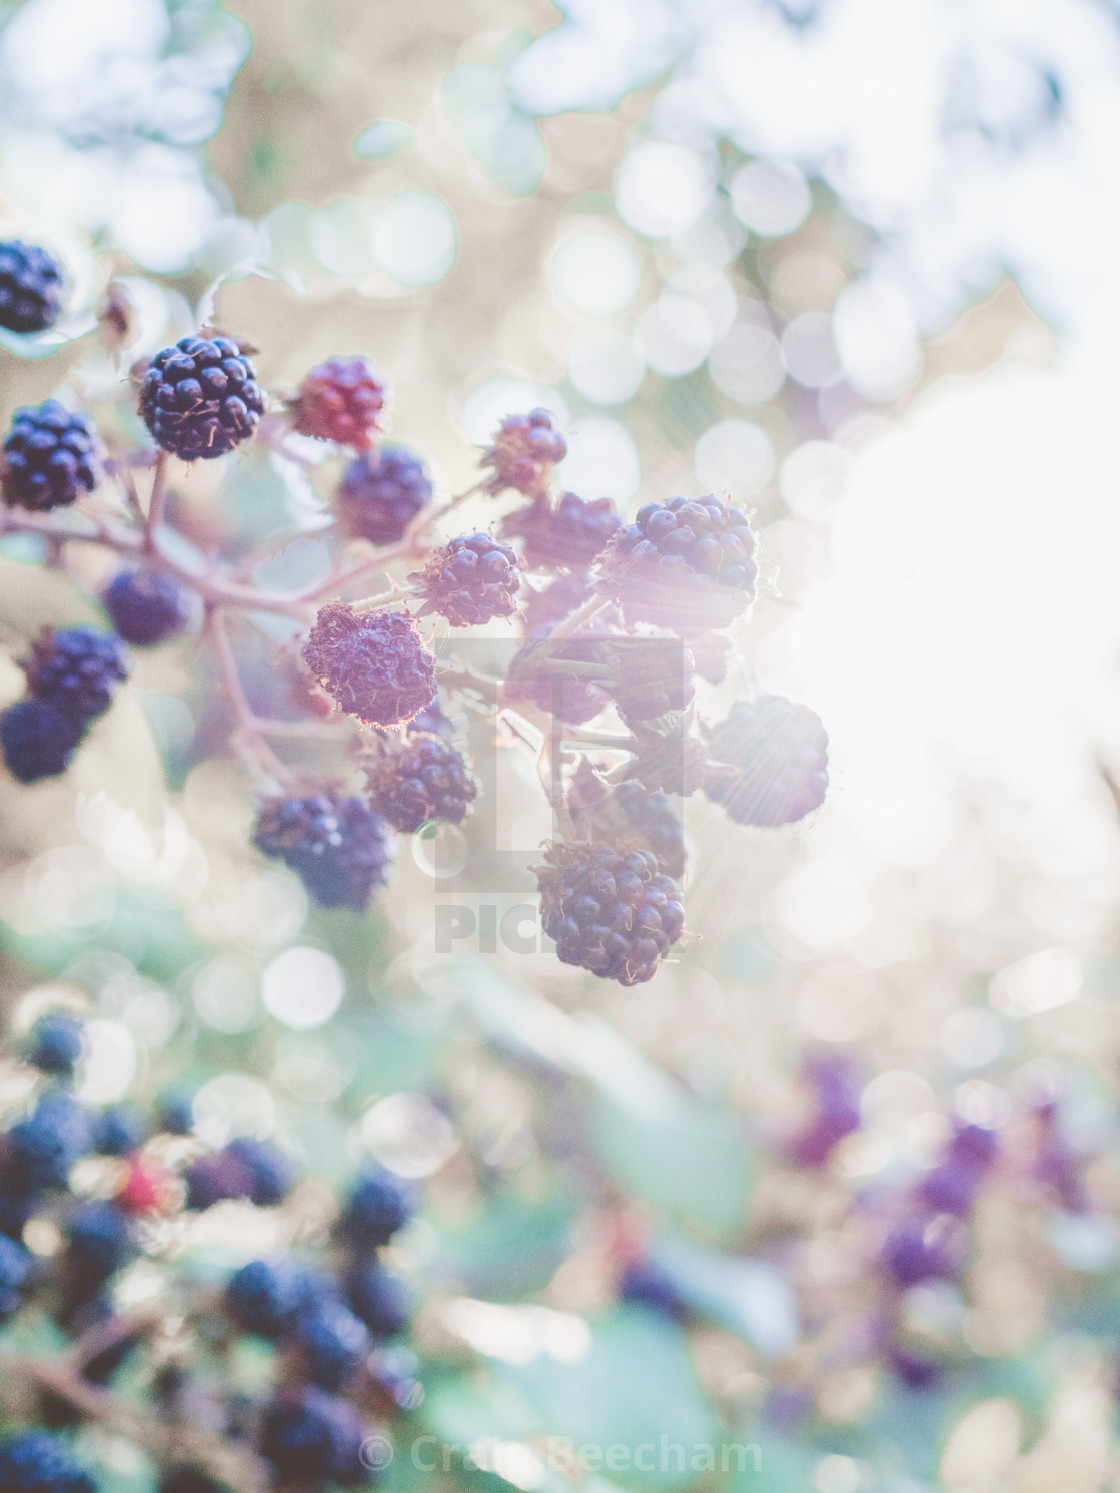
(377, 1298)
(646, 1284)
(310, 1436)
(148, 606)
(525, 450)
(218, 1178)
(50, 457)
(374, 666)
(54, 1043)
(341, 400)
(37, 1462)
(537, 674)
(16, 1267)
(836, 1093)
(37, 741)
(340, 849)
(77, 670)
(774, 757)
(431, 721)
(426, 779)
(684, 565)
(657, 823)
(39, 1152)
(200, 398)
(614, 914)
(952, 1185)
(377, 1206)
(272, 1170)
(382, 494)
(558, 600)
(471, 579)
(568, 537)
(30, 287)
(669, 758)
(331, 1342)
(118, 1130)
(175, 1112)
(393, 1373)
(17, 1205)
(924, 1249)
(652, 677)
(266, 1296)
(99, 1243)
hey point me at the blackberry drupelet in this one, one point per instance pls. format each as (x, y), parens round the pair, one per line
(340, 849)
(16, 1269)
(39, 1152)
(685, 565)
(525, 450)
(272, 1170)
(373, 665)
(30, 287)
(775, 762)
(37, 741)
(51, 457)
(471, 579)
(615, 915)
(382, 493)
(54, 1043)
(148, 606)
(200, 398)
(567, 537)
(377, 1206)
(39, 1462)
(341, 400)
(266, 1296)
(378, 1298)
(426, 779)
(311, 1436)
(331, 1342)
(77, 670)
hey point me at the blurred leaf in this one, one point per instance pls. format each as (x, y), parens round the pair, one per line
(509, 1249)
(751, 1298)
(382, 138)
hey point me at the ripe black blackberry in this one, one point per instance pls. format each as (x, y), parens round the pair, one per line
(614, 914)
(471, 579)
(341, 400)
(382, 493)
(768, 762)
(330, 1343)
(30, 287)
(99, 1242)
(51, 457)
(378, 1298)
(340, 849)
(312, 1437)
(39, 1462)
(200, 398)
(567, 537)
(525, 450)
(39, 1151)
(655, 819)
(266, 1296)
(37, 740)
(425, 779)
(148, 606)
(54, 1043)
(651, 676)
(77, 670)
(377, 1206)
(686, 565)
(374, 664)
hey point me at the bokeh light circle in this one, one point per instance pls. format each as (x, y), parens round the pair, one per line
(595, 273)
(303, 987)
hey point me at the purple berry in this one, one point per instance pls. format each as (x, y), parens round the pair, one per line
(470, 580)
(768, 762)
(200, 399)
(148, 606)
(382, 494)
(51, 457)
(374, 665)
(340, 849)
(30, 287)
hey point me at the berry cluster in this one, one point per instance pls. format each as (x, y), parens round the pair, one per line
(472, 579)
(335, 1324)
(382, 494)
(72, 675)
(50, 457)
(425, 778)
(148, 606)
(200, 398)
(30, 287)
(569, 536)
(373, 665)
(339, 847)
(524, 452)
(768, 762)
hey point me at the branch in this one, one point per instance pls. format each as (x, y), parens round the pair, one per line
(581, 615)
(154, 516)
(247, 737)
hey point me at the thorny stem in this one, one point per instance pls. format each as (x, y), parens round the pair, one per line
(577, 618)
(248, 736)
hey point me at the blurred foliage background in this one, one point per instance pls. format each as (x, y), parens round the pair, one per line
(734, 246)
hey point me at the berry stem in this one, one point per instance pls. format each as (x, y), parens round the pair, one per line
(382, 599)
(154, 516)
(577, 618)
(248, 737)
